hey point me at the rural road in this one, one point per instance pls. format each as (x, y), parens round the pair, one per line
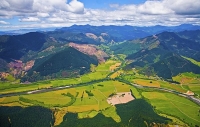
(196, 100)
(192, 98)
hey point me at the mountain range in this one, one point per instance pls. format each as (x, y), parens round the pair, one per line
(70, 51)
(161, 54)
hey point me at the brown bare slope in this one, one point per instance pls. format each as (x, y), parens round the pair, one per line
(90, 50)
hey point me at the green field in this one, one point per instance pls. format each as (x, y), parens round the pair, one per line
(192, 60)
(89, 98)
(85, 105)
(174, 105)
(102, 70)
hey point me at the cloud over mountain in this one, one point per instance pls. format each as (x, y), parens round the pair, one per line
(68, 12)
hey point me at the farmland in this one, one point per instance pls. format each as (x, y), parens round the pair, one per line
(173, 105)
(83, 103)
(101, 72)
(87, 95)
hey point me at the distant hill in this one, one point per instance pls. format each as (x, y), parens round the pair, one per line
(80, 37)
(15, 46)
(162, 53)
(121, 33)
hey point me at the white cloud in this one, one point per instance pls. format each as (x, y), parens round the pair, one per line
(63, 13)
(183, 6)
(76, 6)
(56, 19)
(43, 15)
(154, 7)
(29, 19)
(4, 23)
(4, 4)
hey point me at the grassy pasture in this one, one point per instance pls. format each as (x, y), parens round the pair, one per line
(174, 105)
(83, 108)
(187, 78)
(195, 88)
(192, 60)
(111, 112)
(116, 74)
(86, 106)
(49, 98)
(176, 87)
(115, 66)
(88, 114)
(145, 82)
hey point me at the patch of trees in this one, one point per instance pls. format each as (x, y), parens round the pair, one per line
(137, 117)
(73, 98)
(71, 120)
(100, 85)
(112, 94)
(35, 102)
(89, 93)
(137, 113)
(132, 93)
(34, 116)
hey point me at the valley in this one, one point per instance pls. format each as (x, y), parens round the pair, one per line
(152, 81)
(53, 94)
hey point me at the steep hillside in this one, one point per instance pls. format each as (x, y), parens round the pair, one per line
(133, 46)
(192, 35)
(180, 45)
(173, 65)
(162, 57)
(65, 63)
(90, 50)
(14, 47)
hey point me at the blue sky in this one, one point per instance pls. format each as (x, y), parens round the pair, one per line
(29, 14)
(103, 4)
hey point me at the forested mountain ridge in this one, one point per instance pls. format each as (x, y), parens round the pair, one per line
(162, 54)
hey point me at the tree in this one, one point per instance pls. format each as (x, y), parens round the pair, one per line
(92, 67)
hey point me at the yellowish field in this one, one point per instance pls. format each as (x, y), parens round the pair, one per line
(176, 87)
(50, 98)
(84, 105)
(187, 78)
(89, 114)
(6, 100)
(115, 66)
(116, 74)
(143, 82)
(12, 104)
(83, 108)
(111, 112)
(59, 114)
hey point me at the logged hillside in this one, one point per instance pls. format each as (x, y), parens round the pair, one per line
(67, 62)
(79, 37)
(90, 50)
(121, 33)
